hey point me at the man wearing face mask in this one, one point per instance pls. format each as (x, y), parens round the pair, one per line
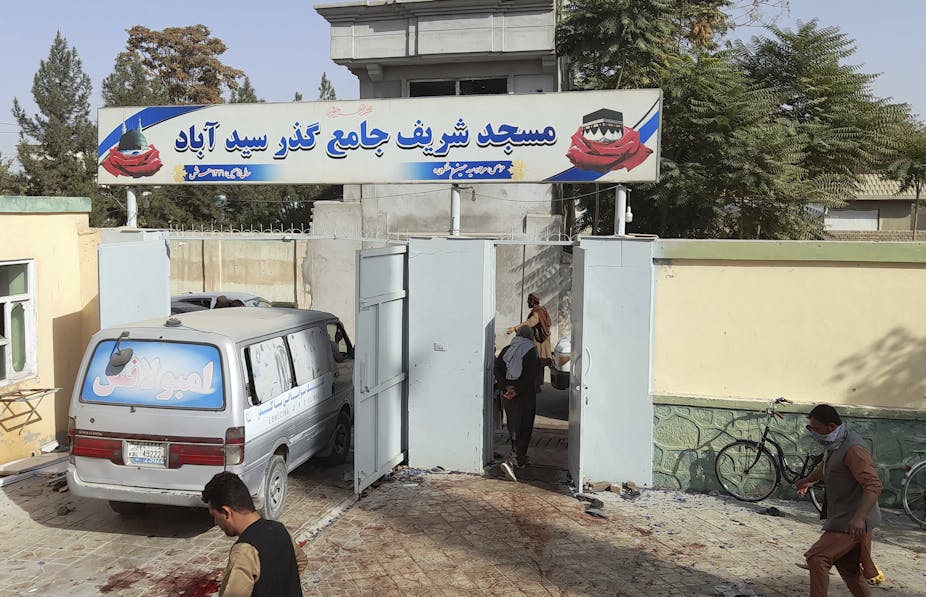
(851, 508)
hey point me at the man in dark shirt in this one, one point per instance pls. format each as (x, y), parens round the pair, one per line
(516, 375)
(852, 490)
(264, 562)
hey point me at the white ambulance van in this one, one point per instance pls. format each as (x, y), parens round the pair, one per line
(161, 406)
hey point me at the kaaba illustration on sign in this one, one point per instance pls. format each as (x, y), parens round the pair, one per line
(604, 144)
(132, 156)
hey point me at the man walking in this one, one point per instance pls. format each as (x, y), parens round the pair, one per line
(851, 509)
(516, 375)
(539, 321)
(264, 562)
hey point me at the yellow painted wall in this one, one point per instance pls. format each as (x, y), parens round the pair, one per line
(66, 306)
(813, 331)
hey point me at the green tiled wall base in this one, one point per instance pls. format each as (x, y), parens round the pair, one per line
(690, 431)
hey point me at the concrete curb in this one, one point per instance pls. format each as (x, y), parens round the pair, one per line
(310, 530)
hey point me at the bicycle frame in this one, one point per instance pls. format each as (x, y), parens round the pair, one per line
(810, 460)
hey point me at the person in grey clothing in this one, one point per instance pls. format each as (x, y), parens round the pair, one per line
(851, 508)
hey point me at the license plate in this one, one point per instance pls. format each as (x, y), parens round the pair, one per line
(146, 453)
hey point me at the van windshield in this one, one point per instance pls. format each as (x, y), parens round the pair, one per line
(159, 374)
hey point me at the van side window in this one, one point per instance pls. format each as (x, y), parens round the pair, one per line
(311, 352)
(269, 368)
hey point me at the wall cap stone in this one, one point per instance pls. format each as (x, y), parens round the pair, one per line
(760, 250)
(21, 204)
(848, 410)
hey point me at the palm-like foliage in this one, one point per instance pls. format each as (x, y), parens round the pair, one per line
(909, 167)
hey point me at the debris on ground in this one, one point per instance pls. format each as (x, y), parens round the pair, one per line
(599, 486)
(65, 510)
(629, 490)
(772, 511)
(593, 501)
(596, 512)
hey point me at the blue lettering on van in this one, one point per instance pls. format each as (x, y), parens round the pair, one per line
(164, 374)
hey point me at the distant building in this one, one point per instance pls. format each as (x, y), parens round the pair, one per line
(879, 212)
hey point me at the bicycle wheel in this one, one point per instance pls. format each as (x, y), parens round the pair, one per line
(913, 494)
(817, 494)
(746, 471)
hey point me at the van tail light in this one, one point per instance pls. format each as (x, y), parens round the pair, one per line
(201, 454)
(97, 447)
(234, 445)
(72, 431)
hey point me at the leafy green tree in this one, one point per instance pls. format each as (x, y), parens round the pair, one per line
(57, 146)
(9, 182)
(844, 130)
(130, 84)
(326, 89)
(245, 94)
(909, 166)
(186, 60)
(297, 97)
(728, 170)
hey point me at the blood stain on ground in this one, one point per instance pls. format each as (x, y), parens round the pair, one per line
(192, 584)
(123, 580)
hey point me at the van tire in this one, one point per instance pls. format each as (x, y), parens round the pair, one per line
(126, 508)
(340, 440)
(274, 488)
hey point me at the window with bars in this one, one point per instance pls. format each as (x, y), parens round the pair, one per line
(17, 321)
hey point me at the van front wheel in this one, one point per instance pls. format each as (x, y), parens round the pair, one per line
(274, 488)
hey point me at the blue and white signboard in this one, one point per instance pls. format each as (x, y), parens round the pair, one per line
(161, 374)
(604, 136)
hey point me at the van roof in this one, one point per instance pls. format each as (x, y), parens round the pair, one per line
(235, 323)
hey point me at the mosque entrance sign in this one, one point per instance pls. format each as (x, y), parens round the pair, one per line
(602, 136)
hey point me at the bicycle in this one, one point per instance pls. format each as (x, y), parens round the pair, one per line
(913, 493)
(747, 470)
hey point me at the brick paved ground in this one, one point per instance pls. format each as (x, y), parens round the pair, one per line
(462, 535)
(440, 534)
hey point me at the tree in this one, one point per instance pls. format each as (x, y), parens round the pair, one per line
(297, 97)
(728, 170)
(130, 84)
(325, 89)
(57, 146)
(844, 130)
(245, 94)
(186, 60)
(909, 167)
(9, 183)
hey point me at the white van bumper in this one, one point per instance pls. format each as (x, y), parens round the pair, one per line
(138, 495)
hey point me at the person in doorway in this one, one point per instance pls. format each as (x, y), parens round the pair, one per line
(516, 374)
(264, 561)
(540, 323)
(851, 507)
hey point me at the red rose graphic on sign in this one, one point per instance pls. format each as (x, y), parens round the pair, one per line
(604, 144)
(132, 156)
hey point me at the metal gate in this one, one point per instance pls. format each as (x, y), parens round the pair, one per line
(610, 405)
(134, 278)
(380, 372)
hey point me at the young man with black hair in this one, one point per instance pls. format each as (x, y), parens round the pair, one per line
(851, 508)
(264, 562)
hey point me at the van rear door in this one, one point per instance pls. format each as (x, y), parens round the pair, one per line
(158, 419)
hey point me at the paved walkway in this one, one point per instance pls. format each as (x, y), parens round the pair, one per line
(440, 534)
(427, 534)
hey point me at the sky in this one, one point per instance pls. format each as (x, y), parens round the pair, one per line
(283, 45)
